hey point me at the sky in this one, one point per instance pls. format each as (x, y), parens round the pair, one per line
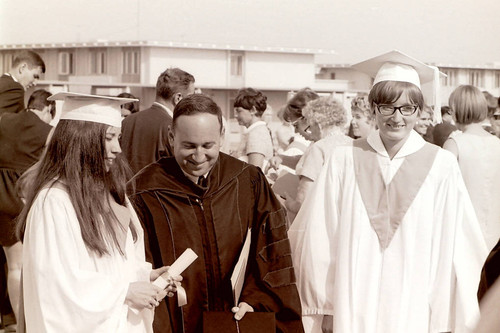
(445, 32)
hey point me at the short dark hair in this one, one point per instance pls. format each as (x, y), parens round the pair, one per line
(388, 92)
(133, 107)
(249, 98)
(445, 110)
(38, 100)
(297, 102)
(172, 81)
(32, 58)
(194, 104)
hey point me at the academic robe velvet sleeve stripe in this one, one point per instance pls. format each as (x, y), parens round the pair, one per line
(273, 277)
(66, 287)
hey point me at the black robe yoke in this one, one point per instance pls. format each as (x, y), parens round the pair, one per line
(213, 221)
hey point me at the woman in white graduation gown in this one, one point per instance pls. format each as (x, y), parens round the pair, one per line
(84, 267)
(388, 241)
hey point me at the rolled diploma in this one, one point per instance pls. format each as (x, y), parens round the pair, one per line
(186, 259)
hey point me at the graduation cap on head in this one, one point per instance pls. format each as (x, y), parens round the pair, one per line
(397, 66)
(94, 108)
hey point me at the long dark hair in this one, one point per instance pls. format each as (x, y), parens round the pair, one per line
(75, 157)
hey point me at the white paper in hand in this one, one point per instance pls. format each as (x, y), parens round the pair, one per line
(238, 276)
(186, 259)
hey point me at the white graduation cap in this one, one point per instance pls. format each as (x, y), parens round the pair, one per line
(94, 108)
(397, 66)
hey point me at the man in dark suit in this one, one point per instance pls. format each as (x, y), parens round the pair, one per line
(27, 66)
(145, 134)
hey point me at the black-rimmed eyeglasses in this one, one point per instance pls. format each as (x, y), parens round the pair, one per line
(389, 110)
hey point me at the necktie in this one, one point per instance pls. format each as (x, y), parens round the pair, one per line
(202, 181)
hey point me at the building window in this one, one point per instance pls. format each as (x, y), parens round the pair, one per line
(451, 77)
(131, 62)
(236, 64)
(497, 79)
(66, 63)
(232, 114)
(332, 76)
(476, 78)
(6, 62)
(98, 62)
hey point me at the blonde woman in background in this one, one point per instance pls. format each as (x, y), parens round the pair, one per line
(326, 122)
(424, 124)
(363, 119)
(478, 154)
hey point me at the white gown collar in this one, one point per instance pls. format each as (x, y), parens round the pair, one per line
(414, 143)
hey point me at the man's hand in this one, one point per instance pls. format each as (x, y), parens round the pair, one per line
(241, 309)
(173, 281)
(275, 162)
(291, 204)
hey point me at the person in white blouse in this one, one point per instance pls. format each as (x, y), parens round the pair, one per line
(326, 118)
(249, 106)
(84, 267)
(478, 155)
(387, 240)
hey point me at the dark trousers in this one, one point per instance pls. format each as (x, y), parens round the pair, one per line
(490, 271)
(6, 312)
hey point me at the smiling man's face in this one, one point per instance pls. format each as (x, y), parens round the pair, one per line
(196, 141)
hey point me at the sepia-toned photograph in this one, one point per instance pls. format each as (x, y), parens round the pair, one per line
(288, 166)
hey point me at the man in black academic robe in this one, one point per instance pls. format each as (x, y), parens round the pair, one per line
(212, 219)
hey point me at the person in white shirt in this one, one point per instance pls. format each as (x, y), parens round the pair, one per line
(249, 106)
(478, 155)
(326, 118)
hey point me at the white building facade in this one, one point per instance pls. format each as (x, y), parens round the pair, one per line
(110, 68)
